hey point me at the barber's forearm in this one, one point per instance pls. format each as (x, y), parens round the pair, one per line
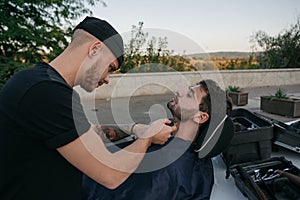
(135, 129)
(124, 130)
(125, 163)
(138, 129)
(128, 159)
(116, 167)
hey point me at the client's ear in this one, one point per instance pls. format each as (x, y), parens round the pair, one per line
(200, 117)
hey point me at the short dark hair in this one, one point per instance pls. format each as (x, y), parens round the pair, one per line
(215, 104)
(217, 132)
(205, 104)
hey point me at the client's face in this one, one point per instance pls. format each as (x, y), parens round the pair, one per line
(185, 104)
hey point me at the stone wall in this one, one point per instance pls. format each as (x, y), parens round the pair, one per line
(122, 85)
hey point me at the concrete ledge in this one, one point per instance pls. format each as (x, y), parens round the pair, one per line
(137, 84)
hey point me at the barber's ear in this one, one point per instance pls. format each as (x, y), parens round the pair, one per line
(95, 48)
(200, 117)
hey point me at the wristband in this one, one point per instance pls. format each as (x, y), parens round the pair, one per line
(131, 130)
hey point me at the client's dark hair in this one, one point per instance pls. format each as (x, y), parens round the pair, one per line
(216, 104)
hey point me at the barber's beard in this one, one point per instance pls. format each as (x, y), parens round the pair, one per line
(91, 78)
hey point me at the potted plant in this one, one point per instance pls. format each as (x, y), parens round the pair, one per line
(238, 96)
(280, 103)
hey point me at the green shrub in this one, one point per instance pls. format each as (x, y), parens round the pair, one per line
(234, 88)
(281, 94)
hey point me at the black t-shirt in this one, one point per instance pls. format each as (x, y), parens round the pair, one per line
(39, 112)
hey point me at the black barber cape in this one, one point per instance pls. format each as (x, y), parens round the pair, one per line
(183, 176)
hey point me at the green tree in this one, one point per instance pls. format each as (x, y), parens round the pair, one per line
(37, 30)
(281, 51)
(142, 55)
(133, 50)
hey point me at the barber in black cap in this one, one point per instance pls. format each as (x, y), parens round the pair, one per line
(46, 141)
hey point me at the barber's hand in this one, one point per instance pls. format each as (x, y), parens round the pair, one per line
(159, 132)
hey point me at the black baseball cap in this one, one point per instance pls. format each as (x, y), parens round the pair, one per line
(102, 30)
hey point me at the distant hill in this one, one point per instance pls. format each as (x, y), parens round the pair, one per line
(224, 54)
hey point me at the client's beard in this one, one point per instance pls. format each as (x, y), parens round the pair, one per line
(181, 114)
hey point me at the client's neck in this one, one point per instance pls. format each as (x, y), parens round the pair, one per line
(186, 130)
